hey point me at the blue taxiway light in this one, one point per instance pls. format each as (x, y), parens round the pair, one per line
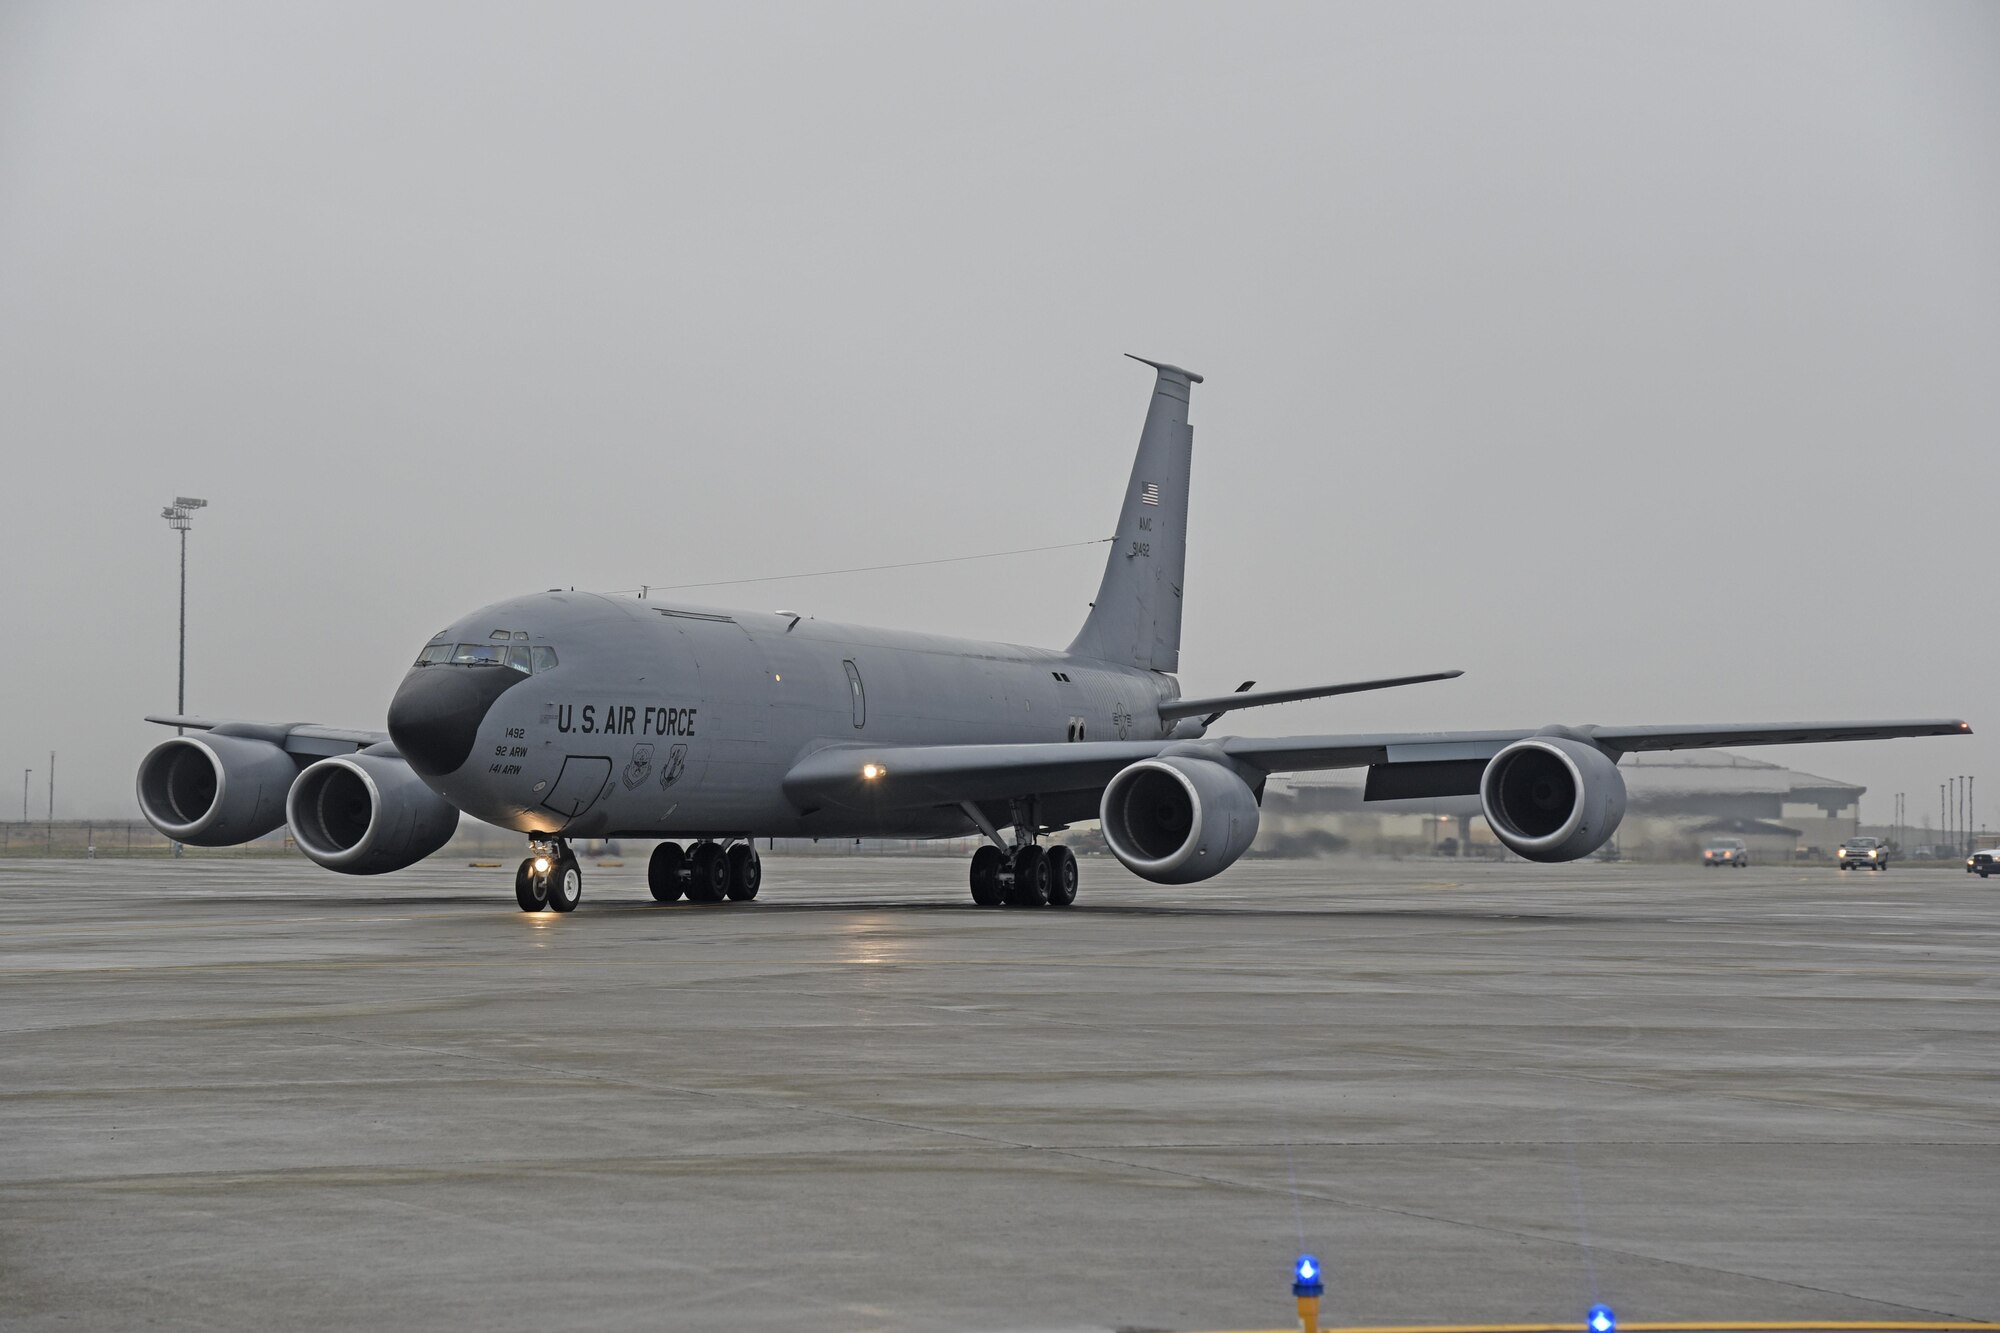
(1305, 1277)
(1601, 1320)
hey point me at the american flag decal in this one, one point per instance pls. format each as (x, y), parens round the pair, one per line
(1151, 495)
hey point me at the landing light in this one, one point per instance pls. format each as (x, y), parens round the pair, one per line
(1601, 1320)
(872, 771)
(541, 865)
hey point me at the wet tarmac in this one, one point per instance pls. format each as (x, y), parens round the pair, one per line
(247, 1094)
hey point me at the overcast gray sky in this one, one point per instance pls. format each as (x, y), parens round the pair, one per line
(1643, 362)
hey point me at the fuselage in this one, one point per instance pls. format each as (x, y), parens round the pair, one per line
(590, 716)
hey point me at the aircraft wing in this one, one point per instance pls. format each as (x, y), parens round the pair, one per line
(303, 738)
(887, 776)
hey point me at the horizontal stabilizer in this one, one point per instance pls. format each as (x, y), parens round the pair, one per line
(1216, 704)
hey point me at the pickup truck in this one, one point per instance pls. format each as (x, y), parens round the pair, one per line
(1983, 862)
(1857, 853)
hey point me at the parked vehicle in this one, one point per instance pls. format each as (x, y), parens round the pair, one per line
(1864, 853)
(1725, 852)
(1984, 862)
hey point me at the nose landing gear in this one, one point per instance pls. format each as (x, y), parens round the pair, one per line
(549, 878)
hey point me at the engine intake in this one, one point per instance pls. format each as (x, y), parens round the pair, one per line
(215, 790)
(367, 814)
(1178, 820)
(1552, 798)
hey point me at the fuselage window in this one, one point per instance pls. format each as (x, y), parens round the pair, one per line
(854, 688)
(517, 657)
(545, 659)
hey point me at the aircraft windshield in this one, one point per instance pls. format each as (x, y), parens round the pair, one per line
(519, 656)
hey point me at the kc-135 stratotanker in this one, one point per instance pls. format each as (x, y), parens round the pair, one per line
(566, 715)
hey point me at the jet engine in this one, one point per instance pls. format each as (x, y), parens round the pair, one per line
(367, 814)
(215, 789)
(1176, 819)
(1552, 798)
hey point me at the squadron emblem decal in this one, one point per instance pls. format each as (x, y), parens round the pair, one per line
(675, 766)
(640, 768)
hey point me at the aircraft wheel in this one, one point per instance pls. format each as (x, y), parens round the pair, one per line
(1031, 878)
(565, 884)
(1062, 876)
(986, 865)
(663, 872)
(530, 890)
(746, 872)
(710, 880)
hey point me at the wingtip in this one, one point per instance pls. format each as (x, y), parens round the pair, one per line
(1166, 369)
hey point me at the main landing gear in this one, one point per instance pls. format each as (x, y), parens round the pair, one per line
(549, 879)
(707, 872)
(1028, 876)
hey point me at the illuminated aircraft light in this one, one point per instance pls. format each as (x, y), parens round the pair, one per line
(541, 865)
(872, 771)
(1601, 1319)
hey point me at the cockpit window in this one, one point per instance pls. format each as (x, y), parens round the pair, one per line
(519, 656)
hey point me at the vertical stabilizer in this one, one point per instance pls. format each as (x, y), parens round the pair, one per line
(1136, 620)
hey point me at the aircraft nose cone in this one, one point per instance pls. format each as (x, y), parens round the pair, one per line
(436, 713)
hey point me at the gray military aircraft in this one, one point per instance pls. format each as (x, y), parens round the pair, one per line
(567, 715)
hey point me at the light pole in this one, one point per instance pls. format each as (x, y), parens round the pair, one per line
(26, 773)
(180, 517)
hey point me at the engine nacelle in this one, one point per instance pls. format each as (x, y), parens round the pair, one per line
(367, 814)
(1552, 798)
(1176, 819)
(215, 790)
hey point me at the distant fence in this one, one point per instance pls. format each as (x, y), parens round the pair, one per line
(111, 837)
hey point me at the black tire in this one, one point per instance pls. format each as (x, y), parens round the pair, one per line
(1062, 876)
(987, 863)
(746, 872)
(565, 884)
(710, 881)
(1983, 874)
(663, 872)
(1031, 878)
(530, 889)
